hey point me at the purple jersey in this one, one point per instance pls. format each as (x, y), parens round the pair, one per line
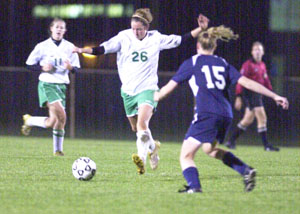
(213, 76)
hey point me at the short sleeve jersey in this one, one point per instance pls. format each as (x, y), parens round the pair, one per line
(48, 52)
(212, 77)
(137, 60)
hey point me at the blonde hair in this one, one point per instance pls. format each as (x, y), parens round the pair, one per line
(143, 15)
(208, 38)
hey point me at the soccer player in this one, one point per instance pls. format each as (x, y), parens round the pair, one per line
(254, 69)
(213, 76)
(137, 59)
(54, 57)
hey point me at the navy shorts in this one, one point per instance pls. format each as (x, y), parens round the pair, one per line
(252, 99)
(207, 128)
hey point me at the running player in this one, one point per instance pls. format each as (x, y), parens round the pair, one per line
(254, 69)
(54, 57)
(213, 76)
(137, 59)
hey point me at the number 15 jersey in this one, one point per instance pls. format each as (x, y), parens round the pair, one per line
(213, 76)
(137, 60)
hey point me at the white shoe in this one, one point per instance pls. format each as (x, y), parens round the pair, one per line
(154, 156)
(25, 128)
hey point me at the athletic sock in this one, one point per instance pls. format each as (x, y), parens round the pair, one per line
(263, 134)
(142, 144)
(238, 131)
(191, 176)
(36, 121)
(151, 141)
(233, 162)
(58, 140)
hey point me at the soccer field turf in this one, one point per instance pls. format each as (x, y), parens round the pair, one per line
(32, 180)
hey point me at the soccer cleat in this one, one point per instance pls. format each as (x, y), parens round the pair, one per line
(154, 156)
(249, 180)
(25, 128)
(139, 164)
(189, 190)
(59, 153)
(230, 145)
(271, 148)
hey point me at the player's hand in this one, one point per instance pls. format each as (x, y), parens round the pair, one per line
(156, 96)
(47, 68)
(202, 21)
(77, 50)
(238, 103)
(67, 65)
(282, 101)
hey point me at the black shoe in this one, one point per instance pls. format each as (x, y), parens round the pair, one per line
(230, 145)
(249, 180)
(271, 148)
(189, 190)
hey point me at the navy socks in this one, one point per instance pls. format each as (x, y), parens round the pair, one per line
(191, 176)
(230, 160)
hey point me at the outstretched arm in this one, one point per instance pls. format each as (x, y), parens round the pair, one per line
(165, 91)
(95, 51)
(258, 88)
(203, 23)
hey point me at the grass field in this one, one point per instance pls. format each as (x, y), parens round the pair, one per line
(34, 181)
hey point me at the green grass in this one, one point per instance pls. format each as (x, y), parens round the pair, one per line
(34, 181)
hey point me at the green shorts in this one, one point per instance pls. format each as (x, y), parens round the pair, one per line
(132, 103)
(51, 93)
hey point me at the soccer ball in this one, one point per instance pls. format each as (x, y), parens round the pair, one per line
(84, 169)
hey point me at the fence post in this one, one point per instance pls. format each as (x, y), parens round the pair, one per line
(72, 105)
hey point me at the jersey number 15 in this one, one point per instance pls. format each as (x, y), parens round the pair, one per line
(216, 71)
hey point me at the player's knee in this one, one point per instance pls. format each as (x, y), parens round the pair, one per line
(186, 155)
(61, 117)
(207, 150)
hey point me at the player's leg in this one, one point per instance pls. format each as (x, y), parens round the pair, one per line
(144, 135)
(133, 121)
(31, 121)
(146, 106)
(261, 118)
(131, 110)
(233, 162)
(57, 115)
(189, 149)
(247, 120)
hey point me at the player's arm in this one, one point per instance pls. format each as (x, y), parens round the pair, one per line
(258, 88)
(184, 73)
(202, 25)
(113, 45)
(267, 82)
(32, 62)
(165, 91)
(94, 51)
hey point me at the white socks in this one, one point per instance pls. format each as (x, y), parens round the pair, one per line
(58, 140)
(36, 121)
(144, 143)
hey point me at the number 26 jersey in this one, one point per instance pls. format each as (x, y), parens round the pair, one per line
(137, 60)
(213, 76)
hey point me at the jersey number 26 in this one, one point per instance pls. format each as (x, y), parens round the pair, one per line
(216, 71)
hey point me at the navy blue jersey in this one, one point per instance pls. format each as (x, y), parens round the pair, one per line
(213, 76)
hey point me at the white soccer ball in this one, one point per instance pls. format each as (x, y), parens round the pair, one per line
(84, 169)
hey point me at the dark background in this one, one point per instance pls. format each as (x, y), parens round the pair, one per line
(99, 108)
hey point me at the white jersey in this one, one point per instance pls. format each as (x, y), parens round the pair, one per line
(137, 60)
(47, 52)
